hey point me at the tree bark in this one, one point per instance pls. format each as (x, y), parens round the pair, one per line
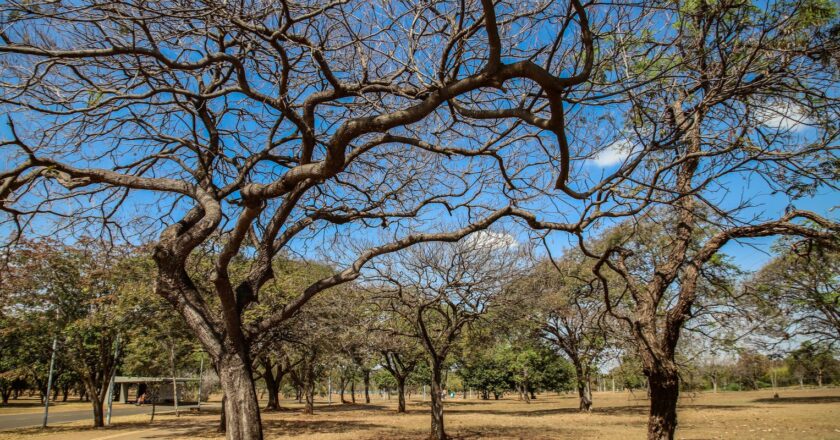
(664, 392)
(366, 376)
(584, 391)
(309, 386)
(222, 424)
(241, 407)
(98, 417)
(438, 432)
(401, 392)
(272, 385)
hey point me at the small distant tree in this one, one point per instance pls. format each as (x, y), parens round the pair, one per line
(815, 361)
(752, 369)
(798, 292)
(570, 311)
(439, 289)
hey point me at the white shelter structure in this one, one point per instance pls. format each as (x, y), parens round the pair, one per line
(133, 386)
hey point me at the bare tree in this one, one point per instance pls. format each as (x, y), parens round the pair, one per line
(439, 289)
(256, 127)
(798, 293)
(739, 98)
(570, 316)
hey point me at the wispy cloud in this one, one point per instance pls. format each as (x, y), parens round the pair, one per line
(492, 240)
(613, 154)
(783, 116)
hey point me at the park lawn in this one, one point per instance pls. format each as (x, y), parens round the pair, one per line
(797, 414)
(28, 405)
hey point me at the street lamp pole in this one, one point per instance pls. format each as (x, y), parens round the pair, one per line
(49, 384)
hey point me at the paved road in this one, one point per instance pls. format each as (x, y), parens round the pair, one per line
(14, 421)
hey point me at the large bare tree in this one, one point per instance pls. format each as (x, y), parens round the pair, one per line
(253, 128)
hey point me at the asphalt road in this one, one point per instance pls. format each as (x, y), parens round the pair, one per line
(15, 421)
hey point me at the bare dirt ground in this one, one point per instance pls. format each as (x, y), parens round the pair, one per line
(797, 414)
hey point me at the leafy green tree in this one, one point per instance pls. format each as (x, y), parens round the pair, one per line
(815, 361)
(798, 292)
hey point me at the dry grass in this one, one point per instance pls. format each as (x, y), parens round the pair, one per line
(25, 405)
(798, 414)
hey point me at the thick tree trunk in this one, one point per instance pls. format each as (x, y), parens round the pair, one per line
(222, 418)
(664, 392)
(585, 396)
(438, 432)
(584, 390)
(242, 410)
(272, 386)
(5, 395)
(273, 390)
(401, 391)
(98, 416)
(353, 391)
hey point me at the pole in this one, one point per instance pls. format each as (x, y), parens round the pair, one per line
(200, 375)
(111, 382)
(174, 380)
(329, 388)
(424, 393)
(49, 383)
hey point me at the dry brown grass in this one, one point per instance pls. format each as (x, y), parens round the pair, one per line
(25, 405)
(798, 414)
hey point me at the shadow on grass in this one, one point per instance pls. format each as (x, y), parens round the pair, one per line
(271, 428)
(489, 431)
(24, 404)
(525, 412)
(57, 430)
(808, 399)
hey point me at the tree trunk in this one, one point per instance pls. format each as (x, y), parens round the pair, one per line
(584, 391)
(353, 391)
(309, 385)
(401, 391)
(98, 417)
(664, 392)
(367, 385)
(242, 410)
(585, 396)
(438, 432)
(272, 386)
(222, 424)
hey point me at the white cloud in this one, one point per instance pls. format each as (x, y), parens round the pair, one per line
(492, 240)
(615, 153)
(783, 117)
